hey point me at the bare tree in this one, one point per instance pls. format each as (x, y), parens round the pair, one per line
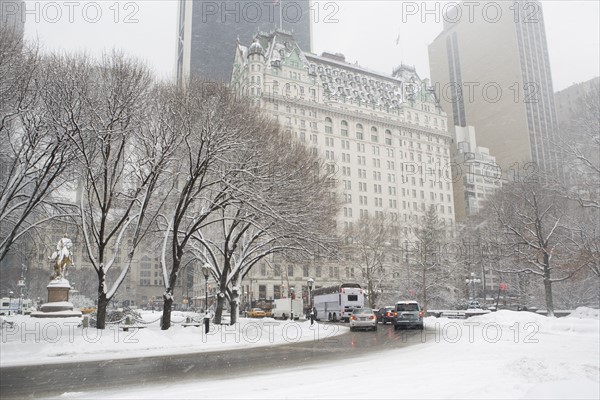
(534, 222)
(370, 241)
(123, 142)
(281, 203)
(428, 256)
(213, 125)
(36, 151)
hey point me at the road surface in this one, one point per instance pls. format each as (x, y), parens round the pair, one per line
(52, 380)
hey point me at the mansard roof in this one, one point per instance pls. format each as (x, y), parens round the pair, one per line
(340, 79)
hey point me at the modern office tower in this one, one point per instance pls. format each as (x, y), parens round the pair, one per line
(492, 71)
(385, 135)
(208, 30)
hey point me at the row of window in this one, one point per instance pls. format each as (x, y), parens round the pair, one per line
(406, 205)
(348, 225)
(148, 282)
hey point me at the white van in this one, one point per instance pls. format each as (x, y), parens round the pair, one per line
(282, 308)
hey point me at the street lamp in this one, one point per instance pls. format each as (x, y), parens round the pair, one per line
(310, 282)
(206, 272)
(472, 280)
(292, 297)
(10, 294)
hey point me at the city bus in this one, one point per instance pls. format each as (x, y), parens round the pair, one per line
(335, 303)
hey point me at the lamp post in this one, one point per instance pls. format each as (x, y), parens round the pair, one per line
(206, 272)
(310, 282)
(10, 294)
(472, 280)
(291, 294)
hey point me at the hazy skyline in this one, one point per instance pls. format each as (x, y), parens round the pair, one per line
(364, 31)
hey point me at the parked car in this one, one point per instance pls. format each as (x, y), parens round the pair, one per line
(363, 318)
(256, 313)
(474, 305)
(385, 314)
(408, 314)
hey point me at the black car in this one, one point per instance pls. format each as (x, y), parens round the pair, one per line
(385, 314)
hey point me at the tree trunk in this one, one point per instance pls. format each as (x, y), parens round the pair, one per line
(424, 288)
(372, 295)
(165, 321)
(483, 289)
(219, 310)
(548, 287)
(234, 303)
(102, 299)
(101, 312)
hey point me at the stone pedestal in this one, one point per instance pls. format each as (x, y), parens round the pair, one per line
(58, 293)
(58, 305)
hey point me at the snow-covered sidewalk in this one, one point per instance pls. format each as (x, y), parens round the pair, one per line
(28, 341)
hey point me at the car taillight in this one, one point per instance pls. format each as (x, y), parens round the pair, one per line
(395, 314)
(420, 314)
(372, 317)
(353, 317)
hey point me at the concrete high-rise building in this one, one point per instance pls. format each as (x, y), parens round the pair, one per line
(577, 112)
(569, 100)
(491, 70)
(208, 30)
(12, 16)
(475, 173)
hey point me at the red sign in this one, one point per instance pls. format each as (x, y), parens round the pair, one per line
(503, 287)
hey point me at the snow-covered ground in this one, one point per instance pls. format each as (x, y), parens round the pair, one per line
(54, 340)
(499, 355)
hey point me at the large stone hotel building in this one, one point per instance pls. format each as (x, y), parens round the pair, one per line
(385, 135)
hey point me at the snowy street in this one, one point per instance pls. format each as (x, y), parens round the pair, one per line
(500, 355)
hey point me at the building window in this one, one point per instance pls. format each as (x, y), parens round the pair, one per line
(359, 132)
(262, 291)
(374, 135)
(344, 128)
(388, 137)
(328, 125)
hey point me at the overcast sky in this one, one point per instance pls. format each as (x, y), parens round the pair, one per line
(365, 31)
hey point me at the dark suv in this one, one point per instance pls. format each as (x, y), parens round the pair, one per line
(386, 314)
(408, 314)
